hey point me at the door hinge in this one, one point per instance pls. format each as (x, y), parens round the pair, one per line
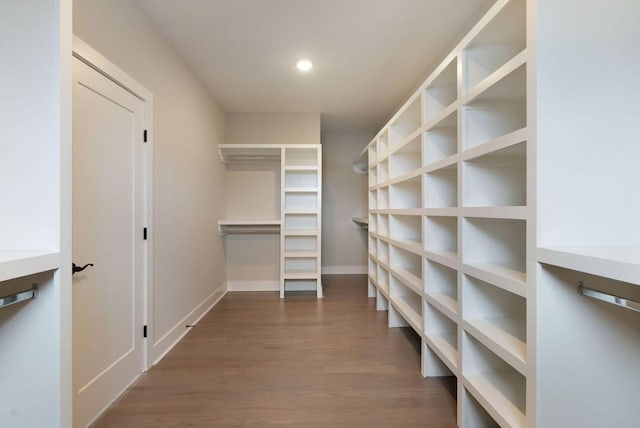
(145, 136)
(144, 233)
(144, 331)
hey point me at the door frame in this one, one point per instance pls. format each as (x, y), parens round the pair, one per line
(85, 53)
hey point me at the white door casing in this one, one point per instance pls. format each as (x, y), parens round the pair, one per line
(110, 211)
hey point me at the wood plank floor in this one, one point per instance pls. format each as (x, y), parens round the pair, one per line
(257, 361)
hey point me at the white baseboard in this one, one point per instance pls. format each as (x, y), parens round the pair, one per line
(253, 285)
(344, 270)
(166, 343)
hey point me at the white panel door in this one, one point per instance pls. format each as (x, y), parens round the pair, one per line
(108, 197)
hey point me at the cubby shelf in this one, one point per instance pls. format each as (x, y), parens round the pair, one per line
(501, 409)
(444, 303)
(494, 334)
(410, 279)
(16, 264)
(409, 307)
(441, 345)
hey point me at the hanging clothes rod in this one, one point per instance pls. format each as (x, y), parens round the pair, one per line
(19, 297)
(608, 298)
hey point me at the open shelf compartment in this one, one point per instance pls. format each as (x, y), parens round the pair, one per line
(474, 415)
(296, 244)
(407, 267)
(383, 198)
(442, 334)
(303, 222)
(383, 225)
(406, 195)
(407, 229)
(442, 91)
(383, 280)
(407, 302)
(301, 201)
(496, 246)
(442, 236)
(383, 252)
(382, 144)
(301, 156)
(406, 123)
(499, 388)
(441, 287)
(301, 179)
(497, 318)
(441, 141)
(441, 188)
(406, 159)
(501, 40)
(300, 265)
(496, 112)
(496, 179)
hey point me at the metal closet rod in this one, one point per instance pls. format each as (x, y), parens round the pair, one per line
(612, 299)
(21, 296)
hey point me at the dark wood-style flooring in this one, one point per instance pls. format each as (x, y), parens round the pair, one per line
(257, 361)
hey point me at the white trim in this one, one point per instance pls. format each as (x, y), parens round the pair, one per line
(345, 270)
(253, 285)
(85, 53)
(167, 342)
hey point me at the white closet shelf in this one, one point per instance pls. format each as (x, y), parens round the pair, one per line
(621, 263)
(435, 121)
(497, 405)
(507, 140)
(494, 334)
(508, 279)
(362, 222)
(300, 275)
(300, 232)
(405, 177)
(445, 304)
(227, 227)
(301, 189)
(442, 347)
(403, 305)
(441, 164)
(294, 211)
(408, 245)
(16, 264)
(300, 254)
(447, 258)
(301, 168)
(249, 152)
(495, 77)
(408, 278)
(509, 213)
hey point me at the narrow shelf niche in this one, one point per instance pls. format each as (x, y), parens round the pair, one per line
(382, 145)
(407, 229)
(373, 223)
(383, 198)
(498, 111)
(474, 414)
(497, 384)
(441, 188)
(304, 222)
(408, 266)
(441, 141)
(442, 91)
(301, 157)
(442, 332)
(373, 247)
(501, 40)
(497, 314)
(373, 200)
(373, 154)
(373, 176)
(300, 265)
(441, 285)
(408, 302)
(383, 171)
(383, 279)
(406, 195)
(383, 252)
(383, 225)
(408, 121)
(300, 243)
(442, 236)
(496, 179)
(497, 246)
(301, 201)
(406, 159)
(373, 268)
(301, 179)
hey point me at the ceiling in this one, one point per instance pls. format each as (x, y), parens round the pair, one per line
(368, 55)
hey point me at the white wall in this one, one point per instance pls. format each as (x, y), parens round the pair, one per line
(188, 180)
(344, 195)
(273, 128)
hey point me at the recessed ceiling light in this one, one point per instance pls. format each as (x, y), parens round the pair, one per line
(304, 65)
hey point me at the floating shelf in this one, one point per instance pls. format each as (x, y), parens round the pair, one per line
(228, 227)
(22, 263)
(249, 152)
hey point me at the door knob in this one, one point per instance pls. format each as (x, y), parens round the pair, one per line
(76, 269)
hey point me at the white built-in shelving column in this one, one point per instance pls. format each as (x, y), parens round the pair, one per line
(301, 236)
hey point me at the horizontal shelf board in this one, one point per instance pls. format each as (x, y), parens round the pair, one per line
(502, 277)
(495, 77)
(16, 264)
(499, 341)
(301, 275)
(435, 121)
(496, 404)
(405, 177)
(249, 152)
(360, 220)
(445, 304)
(301, 168)
(268, 222)
(621, 263)
(408, 279)
(514, 213)
(404, 211)
(301, 190)
(406, 311)
(447, 353)
(442, 212)
(508, 140)
(447, 258)
(300, 254)
(442, 164)
(300, 232)
(292, 211)
(411, 246)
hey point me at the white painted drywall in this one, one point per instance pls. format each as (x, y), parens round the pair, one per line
(344, 245)
(273, 128)
(188, 179)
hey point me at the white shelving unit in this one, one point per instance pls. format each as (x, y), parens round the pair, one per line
(299, 222)
(492, 195)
